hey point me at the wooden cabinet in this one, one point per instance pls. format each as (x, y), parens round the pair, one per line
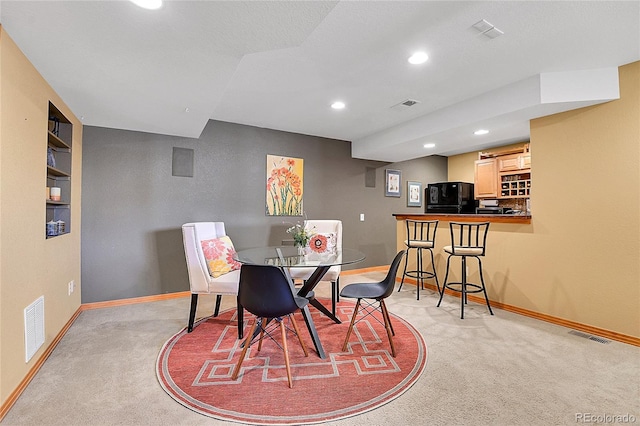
(509, 162)
(503, 174)
(58, 155)
(486, 184)
(512, 162)
(515, 175)
(515, 185)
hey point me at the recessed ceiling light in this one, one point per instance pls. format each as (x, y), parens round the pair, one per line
(148, 4)
(418, 58)
(481, 132)
(429, 145)
(338, 105)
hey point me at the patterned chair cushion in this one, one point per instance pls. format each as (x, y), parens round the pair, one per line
(218, 252)
(323, 243)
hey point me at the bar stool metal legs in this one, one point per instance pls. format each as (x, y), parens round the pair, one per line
(467, 240)
(421, 236)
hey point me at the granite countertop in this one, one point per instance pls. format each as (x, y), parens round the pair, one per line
(468, 217)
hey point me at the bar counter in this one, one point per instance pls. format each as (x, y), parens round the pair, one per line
(493, 218)
(508, 239)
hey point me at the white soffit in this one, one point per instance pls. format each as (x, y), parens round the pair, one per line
(506, 110)
(161, 71)
(279, 65)
(601, 84)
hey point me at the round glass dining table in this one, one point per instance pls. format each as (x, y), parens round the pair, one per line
(289, 257)
(286, 257)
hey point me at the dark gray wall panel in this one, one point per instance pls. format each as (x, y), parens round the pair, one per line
(133, 208)
(182, 164)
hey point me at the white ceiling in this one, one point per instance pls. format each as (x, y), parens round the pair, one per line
(279, 65)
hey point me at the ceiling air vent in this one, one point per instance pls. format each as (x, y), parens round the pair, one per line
(487, 29)
(405, 104)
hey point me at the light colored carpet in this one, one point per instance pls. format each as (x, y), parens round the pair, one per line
(484, 370)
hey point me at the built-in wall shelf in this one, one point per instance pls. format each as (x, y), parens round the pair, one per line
(58, 185)
(54, 140)
(517, 185)
(57, 172)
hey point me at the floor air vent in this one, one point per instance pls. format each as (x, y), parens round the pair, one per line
(589, 336)
(33, 327)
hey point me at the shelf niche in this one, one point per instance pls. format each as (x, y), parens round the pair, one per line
(59, 147)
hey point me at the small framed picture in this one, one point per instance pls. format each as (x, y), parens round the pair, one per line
(392, 183)
(414, 194)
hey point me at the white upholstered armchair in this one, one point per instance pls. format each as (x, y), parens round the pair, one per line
(201, 280)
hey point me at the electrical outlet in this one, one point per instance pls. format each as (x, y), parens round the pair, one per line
(72, 285)
(361, 217)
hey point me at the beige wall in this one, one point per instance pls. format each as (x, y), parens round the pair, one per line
(30, 265)
(579, 258)
(458, 167)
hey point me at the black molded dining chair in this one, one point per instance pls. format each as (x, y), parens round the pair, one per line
(266, 292)
(376, 291)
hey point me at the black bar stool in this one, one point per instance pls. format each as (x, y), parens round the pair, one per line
(467, 240)
(421, 235)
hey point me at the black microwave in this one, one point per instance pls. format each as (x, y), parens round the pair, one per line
(450, 197)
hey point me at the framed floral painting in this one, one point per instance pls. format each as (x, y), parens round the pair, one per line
(284, 186)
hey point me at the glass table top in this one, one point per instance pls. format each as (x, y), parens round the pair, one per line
(289, 257)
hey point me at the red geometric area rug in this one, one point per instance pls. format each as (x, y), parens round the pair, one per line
(195, 369)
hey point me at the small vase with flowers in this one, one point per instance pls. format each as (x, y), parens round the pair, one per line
(301, 236)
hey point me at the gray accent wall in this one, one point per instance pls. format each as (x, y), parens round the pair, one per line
(133, 208)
